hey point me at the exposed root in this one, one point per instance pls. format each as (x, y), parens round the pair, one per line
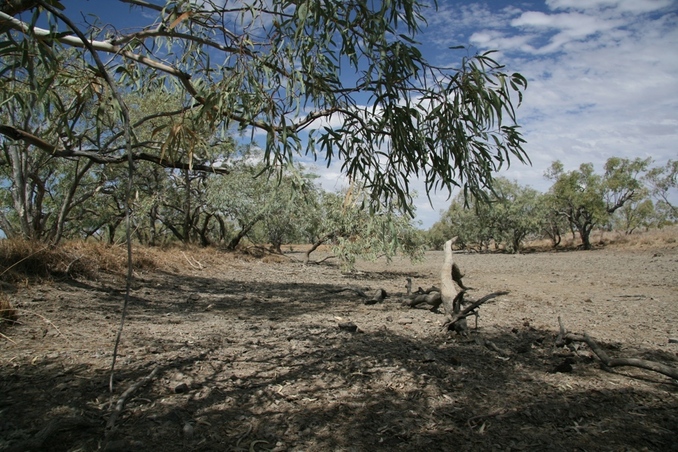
(564, 337)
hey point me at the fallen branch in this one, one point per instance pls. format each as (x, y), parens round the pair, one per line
(470, 309)
(8, 338)
(432, 298)
(492, 346)
(193, 262)
(669, 371)
(110, 425)
(358, 292)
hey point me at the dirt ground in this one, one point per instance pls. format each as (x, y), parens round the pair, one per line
(249, 356)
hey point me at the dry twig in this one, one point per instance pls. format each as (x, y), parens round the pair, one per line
(193, 262)
(564, 336)
(120, 404)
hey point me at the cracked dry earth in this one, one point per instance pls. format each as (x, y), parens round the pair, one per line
(250, 357)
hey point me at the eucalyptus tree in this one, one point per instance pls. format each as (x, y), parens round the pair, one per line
(506, 215)
(466, 219)
(340, 221)
(663, 182)
(553, 224)
(516, 213)
(636, 214)
(271, 68)
(42, 189)
(587, 199)
(248, 197)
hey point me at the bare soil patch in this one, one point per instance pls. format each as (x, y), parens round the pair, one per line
(250, 357)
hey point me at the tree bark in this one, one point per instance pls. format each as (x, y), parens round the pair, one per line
(315, 246)
(564, 335)
(448, 291)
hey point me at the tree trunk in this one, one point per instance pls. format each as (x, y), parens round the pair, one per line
(204, 240)
(448, 291)
(315, 246)
(243, 232)
(69, 203)
(186, 226)
(585, 233)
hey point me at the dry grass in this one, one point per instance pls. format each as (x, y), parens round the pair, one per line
(666, 237)
(21, 261)
(654, 238)
(7, 311)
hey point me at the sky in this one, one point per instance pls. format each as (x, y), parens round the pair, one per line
(602, 75)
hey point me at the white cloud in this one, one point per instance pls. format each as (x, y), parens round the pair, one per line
(603, 78)
(619, 6)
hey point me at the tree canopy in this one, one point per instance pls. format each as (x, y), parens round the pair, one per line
(263, 68)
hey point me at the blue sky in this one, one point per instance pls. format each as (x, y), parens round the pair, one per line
(603, 76)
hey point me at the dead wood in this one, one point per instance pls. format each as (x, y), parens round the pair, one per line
(453, 298)
(355, 290)
(564, 337)
(377, 296)
(110, 425)
(448, 291)
(427, 291)
(432, 298)
(492, 346)
(456, 277)
(54, 426)
(470, 309)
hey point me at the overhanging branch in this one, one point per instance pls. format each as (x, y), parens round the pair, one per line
(26, 137)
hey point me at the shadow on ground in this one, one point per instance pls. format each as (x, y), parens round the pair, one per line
(244, 366)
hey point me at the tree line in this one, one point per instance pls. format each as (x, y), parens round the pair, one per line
(628, 195)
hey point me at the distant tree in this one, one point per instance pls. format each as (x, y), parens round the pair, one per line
(517, 213)
(466, 220)
(248, 197)
(635, 214)
(587, 199)
(663, 181)
(340, 221)
(553, 225)
(507, 215)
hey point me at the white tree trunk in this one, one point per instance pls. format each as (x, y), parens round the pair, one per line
(448, 290)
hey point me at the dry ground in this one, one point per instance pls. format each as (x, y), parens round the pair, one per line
(250, 357)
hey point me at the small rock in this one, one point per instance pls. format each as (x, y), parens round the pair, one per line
(673, 340)
(188, 431)
(194, 297)
(428, 356)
